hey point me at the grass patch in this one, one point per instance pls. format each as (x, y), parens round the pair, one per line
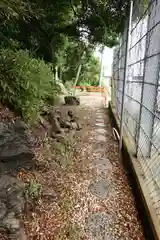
(65, 151)
(33, 190)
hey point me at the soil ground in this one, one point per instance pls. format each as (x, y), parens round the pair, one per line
(89, 197)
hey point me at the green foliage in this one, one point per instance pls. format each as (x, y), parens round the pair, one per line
(64, 149)
(14, 10)
(33, 190)
(90, 72)
(25, 82)
(64, 34)
(46, 33)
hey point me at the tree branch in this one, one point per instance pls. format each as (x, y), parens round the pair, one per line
(75, 13)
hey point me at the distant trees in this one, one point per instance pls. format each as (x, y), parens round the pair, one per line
(59, 33)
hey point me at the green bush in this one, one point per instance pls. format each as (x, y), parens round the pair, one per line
(85, 84)
(91, 82)
(33, 190)
(25, 83)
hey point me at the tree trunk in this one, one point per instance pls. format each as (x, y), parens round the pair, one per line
(79, 70)
(78, 73)
(60, 73)
(56, 74)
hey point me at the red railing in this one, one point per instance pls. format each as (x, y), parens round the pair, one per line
(94, 89)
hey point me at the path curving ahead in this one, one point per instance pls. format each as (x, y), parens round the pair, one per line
(93, 198)
(110, 208)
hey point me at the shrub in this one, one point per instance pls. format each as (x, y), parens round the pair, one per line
(25, 83)
(91, 82)
(33, 190)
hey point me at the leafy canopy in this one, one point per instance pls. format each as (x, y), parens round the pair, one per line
(40, 39)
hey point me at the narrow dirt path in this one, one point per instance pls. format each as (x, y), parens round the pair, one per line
(93, 198)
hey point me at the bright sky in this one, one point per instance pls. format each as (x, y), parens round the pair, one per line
(107, 60)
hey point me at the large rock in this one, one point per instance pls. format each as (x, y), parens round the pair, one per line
(11, 223)
(11, 206)
(49, 194)
(57, 122)
(46, 126)
(56, 126)
(72, 100)
(3, 210)
(74, 120)
(74, 125)
(65, 123)
(15, 146)
(12, 193)
(13, 227)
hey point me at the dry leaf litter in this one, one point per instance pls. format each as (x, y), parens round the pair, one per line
(85, 194)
